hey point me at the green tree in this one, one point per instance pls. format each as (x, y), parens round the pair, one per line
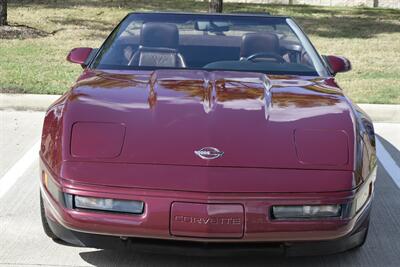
(215, 6)
(3, 12)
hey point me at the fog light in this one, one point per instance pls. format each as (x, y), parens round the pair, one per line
(108, 204)
(306, 212)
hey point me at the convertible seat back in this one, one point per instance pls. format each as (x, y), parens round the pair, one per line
(253, 43)
(158, 47)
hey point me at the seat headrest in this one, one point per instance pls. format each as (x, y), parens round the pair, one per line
(259, 42)
(154, 34)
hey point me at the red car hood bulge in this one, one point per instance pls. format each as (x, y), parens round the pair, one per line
(164, 116)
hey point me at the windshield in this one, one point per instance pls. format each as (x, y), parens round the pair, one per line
(264, 44)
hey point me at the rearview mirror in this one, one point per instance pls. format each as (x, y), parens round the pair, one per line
(79, 55)
(338, 64)
(211, 26)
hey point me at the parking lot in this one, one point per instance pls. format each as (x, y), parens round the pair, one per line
(23, 243)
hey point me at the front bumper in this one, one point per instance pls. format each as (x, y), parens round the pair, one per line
(189, 248)
(153, 227)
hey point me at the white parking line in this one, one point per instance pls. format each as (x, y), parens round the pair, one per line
(388, 162)
(19, 168)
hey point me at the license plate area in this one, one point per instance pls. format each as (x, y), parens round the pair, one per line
(207, 220)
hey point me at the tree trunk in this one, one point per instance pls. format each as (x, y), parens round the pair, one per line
(3, 12)
(376, 3)
(291, 2)
(215, 6)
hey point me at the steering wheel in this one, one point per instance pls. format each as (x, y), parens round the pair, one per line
(275, 56)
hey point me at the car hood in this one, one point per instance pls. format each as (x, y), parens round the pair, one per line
(165, 116)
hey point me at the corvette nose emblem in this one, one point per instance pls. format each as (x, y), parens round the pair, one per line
(209, 153)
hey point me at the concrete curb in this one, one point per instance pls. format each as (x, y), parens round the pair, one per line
(29, 102)
(382, 112)
(378, 112)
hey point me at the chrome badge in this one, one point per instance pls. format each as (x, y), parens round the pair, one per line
(209, 153)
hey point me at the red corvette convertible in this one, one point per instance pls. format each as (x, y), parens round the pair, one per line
(205, 133)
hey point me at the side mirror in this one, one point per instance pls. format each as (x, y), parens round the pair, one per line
(338, 64)
(79, 55)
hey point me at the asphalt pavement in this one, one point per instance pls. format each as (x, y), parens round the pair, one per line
(23, 243)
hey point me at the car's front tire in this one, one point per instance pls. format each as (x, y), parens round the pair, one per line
(46, 228)
(365, 235)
